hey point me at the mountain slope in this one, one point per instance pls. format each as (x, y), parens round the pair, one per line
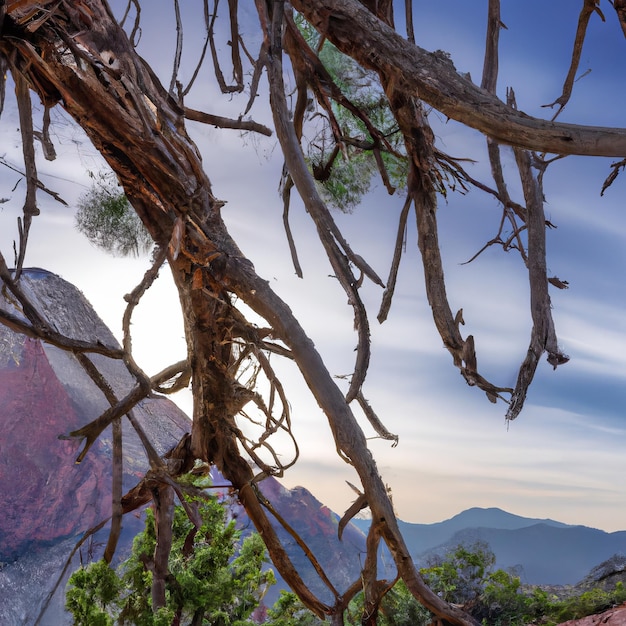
(49, 501)
(424, 537)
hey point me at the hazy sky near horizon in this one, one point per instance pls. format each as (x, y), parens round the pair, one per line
(563, 458)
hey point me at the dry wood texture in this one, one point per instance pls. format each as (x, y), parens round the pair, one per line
(75, 54)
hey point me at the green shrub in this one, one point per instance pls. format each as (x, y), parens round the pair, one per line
(220, 581)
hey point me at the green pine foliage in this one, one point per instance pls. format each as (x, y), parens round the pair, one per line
(108, 220)
(354, 166)
(289, 611)
(219, 582)
(91, 591)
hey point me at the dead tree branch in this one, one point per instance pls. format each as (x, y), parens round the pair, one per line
(589, 7)
(543, 335)
(620, 9)
(225, 122)
(30, 209)
(413, 70)
(327, 230)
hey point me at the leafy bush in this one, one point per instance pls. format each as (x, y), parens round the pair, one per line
(503, 603)
(209, 584)
(288, 610)
(587, 603)
(400, 608)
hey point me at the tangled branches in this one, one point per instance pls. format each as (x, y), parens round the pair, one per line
(77, 55)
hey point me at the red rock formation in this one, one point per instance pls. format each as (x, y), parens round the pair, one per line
(612, 617)
(45, 495)
(44, 394)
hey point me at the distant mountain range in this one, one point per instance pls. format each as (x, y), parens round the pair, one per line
(542, 551)
(49, 501)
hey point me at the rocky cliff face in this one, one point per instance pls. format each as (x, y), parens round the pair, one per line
(38, 478)
(49, 501)
(319, 526)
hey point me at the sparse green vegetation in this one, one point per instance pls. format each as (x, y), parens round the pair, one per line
(107, 219)
(466, 576)
(341, 151)
(289, 611)
(587, 603)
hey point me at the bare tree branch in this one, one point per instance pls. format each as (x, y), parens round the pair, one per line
(328, 232)
(358, 33)
(28, 148)
(205, 45)
(408, 14)
(238, 85)
(543, 335)
(301, 543)
(385, 304)
(287, 185)
(39, 184)
(136, 27)
(620, 9)
(4, 66)
(374, 420)
(117, 465)
(225, 122)
(179, 47)
(589, 7)
(615, 170)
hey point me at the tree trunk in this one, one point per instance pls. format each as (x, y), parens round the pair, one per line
(82, 59)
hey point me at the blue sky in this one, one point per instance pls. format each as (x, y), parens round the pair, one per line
(563, 458)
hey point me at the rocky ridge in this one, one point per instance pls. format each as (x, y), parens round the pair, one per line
(50, 501)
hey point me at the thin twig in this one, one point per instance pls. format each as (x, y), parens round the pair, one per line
(385, 304)
(39, 184)
(589, 7)
(132, 300)
(179, 47)
(205, 45)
